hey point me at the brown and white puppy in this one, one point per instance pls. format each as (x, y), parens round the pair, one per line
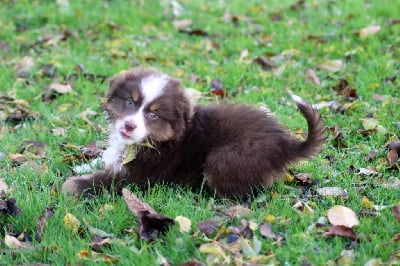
(232, 149)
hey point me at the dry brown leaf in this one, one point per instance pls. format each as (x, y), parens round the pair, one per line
(208, 227)
(312, 77)
(238, 211)
(396, 212)
(341, 215)
(152, 224)
(17, 158)
(340, 230)
(266, 231)
(392, 157)
(134, 204)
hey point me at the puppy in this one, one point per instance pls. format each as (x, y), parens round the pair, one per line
(232, 149)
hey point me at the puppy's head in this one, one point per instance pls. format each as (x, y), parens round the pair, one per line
(146, 105)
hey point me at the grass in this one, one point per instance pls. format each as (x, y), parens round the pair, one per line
(109, 36)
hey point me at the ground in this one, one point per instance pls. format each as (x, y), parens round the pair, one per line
(342, 56)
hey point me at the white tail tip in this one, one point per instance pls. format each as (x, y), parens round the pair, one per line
(296, 99)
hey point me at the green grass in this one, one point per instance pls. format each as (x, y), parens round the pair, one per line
(110, 36)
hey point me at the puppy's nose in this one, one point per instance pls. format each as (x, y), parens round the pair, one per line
(129, 126)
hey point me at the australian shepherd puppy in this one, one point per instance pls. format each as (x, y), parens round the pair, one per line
(231, 149)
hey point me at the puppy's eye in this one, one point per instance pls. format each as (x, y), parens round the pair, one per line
(153, 115)
(129, 103)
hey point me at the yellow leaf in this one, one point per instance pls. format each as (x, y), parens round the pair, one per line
(212, 248)
(129, 154)
(366, 203)
(84, 254)
(289, 177)
(71, 222)
(269, 218)
(185, 224)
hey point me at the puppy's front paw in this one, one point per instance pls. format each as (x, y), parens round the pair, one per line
(76, 185)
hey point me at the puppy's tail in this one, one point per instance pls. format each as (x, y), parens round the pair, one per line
(316, 129)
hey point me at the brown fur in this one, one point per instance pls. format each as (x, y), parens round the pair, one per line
(234, 148)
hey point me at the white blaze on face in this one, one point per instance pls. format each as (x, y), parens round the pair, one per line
(151, 87)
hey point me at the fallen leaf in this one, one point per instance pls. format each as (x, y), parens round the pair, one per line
(217, 88)
(303, 178)
(152, 224)
(17, 158)
(97, 242)
(266, 231)
(332, 192)
(396, 212)
(9, 206)
(192, 262)
(312, 77)
(60, 88)
(302, 207)
(185, 224)
(344, 89)
(250, 249)
(338, 138)
(208, 227)
(341, 230)
(269, 218)
(135, 205)
(212, 248)
(238, 211)
(35, 149)
(371, 155)
(368, 31)
(196, 32)
(332, 65)
(367, 172)
(97, 257)
(182, 24)
(23, 66)
(366, 203)
(369, 123)
(243, 55)
(374, 262)
(392, 182)
(96, 231)
(341, 215)
(15, 243)
(392, 157)
(3, 187)
(265, 63)
(71, 222)
(394, 145)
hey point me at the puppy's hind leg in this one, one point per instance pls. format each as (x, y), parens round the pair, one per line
(90, 183)
(228, 174)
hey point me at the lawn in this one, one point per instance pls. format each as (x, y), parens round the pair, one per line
(342, 56)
